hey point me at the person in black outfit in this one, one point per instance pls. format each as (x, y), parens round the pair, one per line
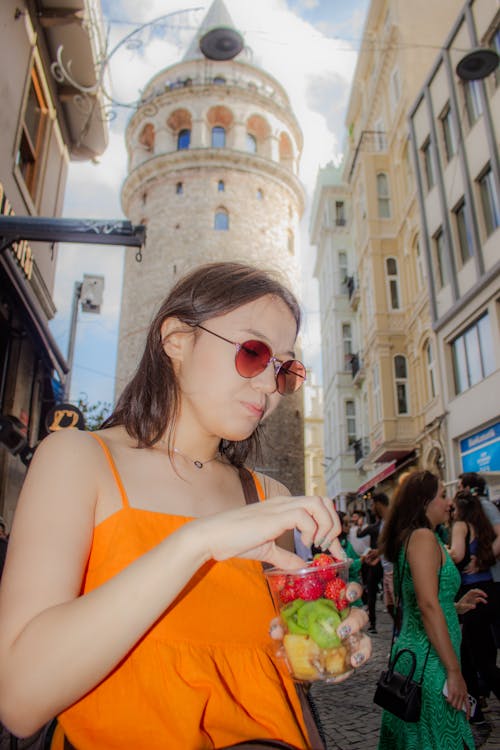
(3, 544)
(372, 567)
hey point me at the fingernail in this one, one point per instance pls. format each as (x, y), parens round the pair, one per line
(358, 659)
(352, 595)
(344, 631)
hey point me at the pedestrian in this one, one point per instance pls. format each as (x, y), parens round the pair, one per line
(428, 580)
(381, 506)
(4, 538)
(140, 616)
(371, 562)
(473, 536)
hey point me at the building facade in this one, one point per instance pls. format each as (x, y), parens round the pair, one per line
(398, 403)
(214, 150)
(42, 128)
(455, 131)
(314, 456)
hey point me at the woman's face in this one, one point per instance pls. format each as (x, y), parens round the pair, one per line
(439, 507)
(213, 394)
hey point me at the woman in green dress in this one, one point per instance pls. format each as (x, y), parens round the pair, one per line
(429, 581)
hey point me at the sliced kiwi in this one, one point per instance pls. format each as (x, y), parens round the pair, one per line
(323, 629)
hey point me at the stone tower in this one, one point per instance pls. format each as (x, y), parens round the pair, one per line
(214, 150)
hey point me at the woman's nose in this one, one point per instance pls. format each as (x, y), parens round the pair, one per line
(266, 380)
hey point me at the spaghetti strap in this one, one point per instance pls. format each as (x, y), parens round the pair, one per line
(113, 468)
(258, 485)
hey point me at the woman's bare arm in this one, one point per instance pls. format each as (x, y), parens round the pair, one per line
(55, 645)
(424, 558)
(458, 536)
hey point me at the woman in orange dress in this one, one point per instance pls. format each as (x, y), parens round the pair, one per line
(133, 604)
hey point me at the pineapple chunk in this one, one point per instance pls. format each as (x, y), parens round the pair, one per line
(336, 660)
(304, 656)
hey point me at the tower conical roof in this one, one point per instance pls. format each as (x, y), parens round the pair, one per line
(216, 17)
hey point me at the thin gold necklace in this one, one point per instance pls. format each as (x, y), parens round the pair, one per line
(198, 464)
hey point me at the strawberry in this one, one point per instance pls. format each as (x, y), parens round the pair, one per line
(324, 562)
(288, 593)
(335, 590)
(277, 582)
(309, 587)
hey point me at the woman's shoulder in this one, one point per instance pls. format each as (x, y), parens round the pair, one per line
(422, 539)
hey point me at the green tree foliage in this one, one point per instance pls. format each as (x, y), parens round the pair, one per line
(94, 414)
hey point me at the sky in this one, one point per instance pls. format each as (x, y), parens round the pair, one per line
(309, 46)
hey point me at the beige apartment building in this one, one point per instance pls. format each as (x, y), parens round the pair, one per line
(43, 126)
(314, 461)
(399, 406)
(455, 129)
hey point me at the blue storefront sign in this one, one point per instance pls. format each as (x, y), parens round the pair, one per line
(481, 451)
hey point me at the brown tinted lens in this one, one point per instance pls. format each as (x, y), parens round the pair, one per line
(290, 376)
(252, 358)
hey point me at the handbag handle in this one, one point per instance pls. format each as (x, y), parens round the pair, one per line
(392, 665)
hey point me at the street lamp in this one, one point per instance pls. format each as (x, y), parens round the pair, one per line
(89, 292)
(477, 64)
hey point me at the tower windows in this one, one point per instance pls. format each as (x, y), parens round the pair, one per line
(179, 188)
(183, 139)
(220, 186)
(147, 137)
(260, 194)
(221, 219)
(218, 137)
(251, 142)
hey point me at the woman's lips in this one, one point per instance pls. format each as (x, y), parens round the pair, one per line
(256, 410)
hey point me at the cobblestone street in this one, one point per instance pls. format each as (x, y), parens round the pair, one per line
(351, 720)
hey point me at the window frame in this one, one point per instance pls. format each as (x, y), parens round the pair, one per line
(473, 101)
(489, 200)
(218, 132)
(428, 163)
(448, 133)
(183, 139)
(463, 367)
(350, 422)
(383, 196)
(29, 169)
(392, 281)
(431, 368)
(401, 385)
(219, 213)
(439, 251)
(463, 231)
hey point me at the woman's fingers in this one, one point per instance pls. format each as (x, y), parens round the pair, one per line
(353, 623)
(361, 649)
(353, 591)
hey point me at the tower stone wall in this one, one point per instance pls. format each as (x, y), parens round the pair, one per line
(180, 179)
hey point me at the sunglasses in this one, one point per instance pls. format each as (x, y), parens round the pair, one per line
(252, 358)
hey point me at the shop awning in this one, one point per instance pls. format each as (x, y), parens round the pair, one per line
(387, 471)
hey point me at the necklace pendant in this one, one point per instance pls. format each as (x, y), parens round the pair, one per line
(198, 464)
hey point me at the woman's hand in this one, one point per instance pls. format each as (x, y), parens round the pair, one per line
(457, 691)
(251, 531)
(470, 600)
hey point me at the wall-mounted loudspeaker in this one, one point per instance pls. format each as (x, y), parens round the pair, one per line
(477, 64)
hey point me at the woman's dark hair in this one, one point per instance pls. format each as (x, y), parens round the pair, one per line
(473, 482)
(469, 509)
(408, 511)
(149, 405)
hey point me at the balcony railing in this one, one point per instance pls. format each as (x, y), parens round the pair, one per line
(361, 448)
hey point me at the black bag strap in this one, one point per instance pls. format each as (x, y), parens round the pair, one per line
(399, 602)
(311, 718)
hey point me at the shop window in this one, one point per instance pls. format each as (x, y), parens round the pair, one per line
(34, 120)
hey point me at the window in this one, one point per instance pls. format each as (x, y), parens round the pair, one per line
(220, 186)
(179, 189)
(32, 133)
(377, 406)
(428, 168)
(251, 144)
(380, 142)
(147, 137)
(419, 263)
(439, 258)
(463, 232)
(260, 194)
(350, 421)
(473, 105)
(342, 272)
(183, 139)
(218, 137)
(473, 358)
(401, 382)
(221, 220)
(431, 368)
(339, 213)
(219, 80)
(489, 201)
(391, 267)
(384, 203)
(450, 143)
(347, 344)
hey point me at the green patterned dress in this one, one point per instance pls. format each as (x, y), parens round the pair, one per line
(441, 727)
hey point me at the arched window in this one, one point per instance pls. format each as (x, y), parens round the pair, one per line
(431, 368)
(401, 382)
(251, 144)
(384, 201)
(391, 267)
(183, 139)
(147, 137)
(220, 186)
(221, 220)
(218, 137)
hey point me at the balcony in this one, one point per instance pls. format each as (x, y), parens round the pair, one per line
(361, 448)
(357, 369)
(352, 285)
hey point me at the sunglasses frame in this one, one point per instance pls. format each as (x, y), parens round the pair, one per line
(277, 363)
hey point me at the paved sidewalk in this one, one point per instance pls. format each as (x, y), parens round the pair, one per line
(350, 719)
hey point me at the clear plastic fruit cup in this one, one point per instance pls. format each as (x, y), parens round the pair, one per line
(311, 605)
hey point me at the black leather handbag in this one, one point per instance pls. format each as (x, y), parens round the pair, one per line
(399, 693)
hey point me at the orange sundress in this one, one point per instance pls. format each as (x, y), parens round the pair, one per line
(205, 675)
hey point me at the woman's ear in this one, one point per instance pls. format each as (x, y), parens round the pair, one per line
(175, 336)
